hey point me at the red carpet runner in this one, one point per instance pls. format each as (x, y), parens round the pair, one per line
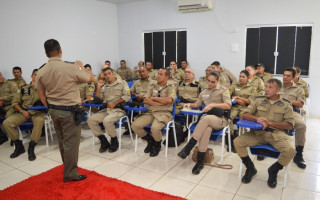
(49, 185)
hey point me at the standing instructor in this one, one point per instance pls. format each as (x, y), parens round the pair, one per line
(58, 91)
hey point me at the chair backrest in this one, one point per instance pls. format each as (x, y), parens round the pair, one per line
(173, 112)
(130, 84)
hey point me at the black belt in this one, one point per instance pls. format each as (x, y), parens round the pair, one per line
(269, 130)
(65, 108)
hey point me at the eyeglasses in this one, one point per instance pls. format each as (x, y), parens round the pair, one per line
(208, 70)
(188, 72)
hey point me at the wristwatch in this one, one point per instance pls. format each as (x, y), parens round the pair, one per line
(21, 111)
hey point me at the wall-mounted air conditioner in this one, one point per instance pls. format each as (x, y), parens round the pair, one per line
(194, 5)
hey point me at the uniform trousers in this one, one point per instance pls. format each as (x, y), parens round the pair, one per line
(282, 143)
(204, 128)
(108, 117)
(11, 123)
(235, 111)
(146, 119)
(300, 129)
(68, 134)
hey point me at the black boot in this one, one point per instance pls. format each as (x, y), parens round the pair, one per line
(186, 150)
(114, 144)
(156, 149)
(3, 137)
(19, 149)
(260, 158)
(150, 141)
(104, 143)
(250, 171)
(298, 159)
(273, 172)
(200, 162)
(31, 155)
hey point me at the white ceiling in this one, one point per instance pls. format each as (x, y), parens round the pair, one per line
(120, 1)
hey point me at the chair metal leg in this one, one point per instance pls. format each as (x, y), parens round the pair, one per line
(46, 132)
(136, 143)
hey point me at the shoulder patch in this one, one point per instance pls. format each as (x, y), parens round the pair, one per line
(256, 97)
(91, 88)
(227, 93)
(287, 100)
(69, 62)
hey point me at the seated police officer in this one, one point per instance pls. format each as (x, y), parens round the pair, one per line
(27, 96)
(276, 115)
(296, 95)
(18, 79)
(188, 89)
(114, 93)
(216, 97)
(261, 73)
(204, 79)
(140, 86)
(255, 80)
(7, 91)
(124, 71)
(242, 93)
(226, 76)
(159, 99)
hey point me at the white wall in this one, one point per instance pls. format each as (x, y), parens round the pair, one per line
(85, 29)
(210, 34)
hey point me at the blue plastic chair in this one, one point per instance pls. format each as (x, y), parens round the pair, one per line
(165, 130)
(264, 150)
(130, 84)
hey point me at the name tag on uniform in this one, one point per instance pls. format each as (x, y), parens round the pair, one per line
(205, 96)
(237, 89)
(155, 92)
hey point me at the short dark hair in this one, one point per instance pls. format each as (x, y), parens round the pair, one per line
(245, 72)
(141, 61)
(35, 70)
(291, 70)
(274, 80)
(123, 61)
(107, 68)
(17, 68)
(52, 47)
(251, 66)
(107, 61)
(216, 63)
(260, 65)
(87, 65)
(148, 61)
(173, 61)
(184, 60)
(168, 71)
(298, 70)
(215, 74)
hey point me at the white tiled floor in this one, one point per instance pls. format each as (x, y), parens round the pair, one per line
(173, 175)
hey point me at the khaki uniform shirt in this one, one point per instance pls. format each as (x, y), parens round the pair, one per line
(227, 78)
(181, 71)
(258, 84)
(247, 91)
(179, 75)
(265, 77)
(124, 73)
(59, 80)
(174, 81)
(304, 85)
(26, 97)
(86, 90)
(135, 74)
(293, 92)
(189, 91)
(7, 90)
(19, 81)
(140, 87)
(220, 94)
(203, 82)
(279, 111)
(115, 91)
(153, 74)
(162, 113)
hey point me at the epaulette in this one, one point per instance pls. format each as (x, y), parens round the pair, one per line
(287, 100)
(69, 62)
(196, 84)
(256, 97)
